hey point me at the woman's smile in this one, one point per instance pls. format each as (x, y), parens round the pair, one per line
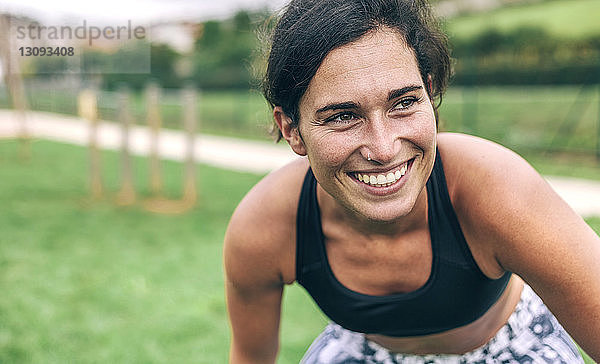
(382, 182)
(382, 178)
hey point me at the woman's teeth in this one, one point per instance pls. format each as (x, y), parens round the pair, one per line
(382, 180)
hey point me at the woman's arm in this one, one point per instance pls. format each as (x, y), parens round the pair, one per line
(259, 254)
(528, 229)
(253, 302)
(254, 281)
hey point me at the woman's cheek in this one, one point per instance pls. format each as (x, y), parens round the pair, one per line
(423, 128)
(333, 153)
(336, 147)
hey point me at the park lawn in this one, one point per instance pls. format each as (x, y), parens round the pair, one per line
(566, 19)
(86, 281)
(527, 118)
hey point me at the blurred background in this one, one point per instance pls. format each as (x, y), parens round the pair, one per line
(110, 253)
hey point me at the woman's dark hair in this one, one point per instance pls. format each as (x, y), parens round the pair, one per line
(309, 29)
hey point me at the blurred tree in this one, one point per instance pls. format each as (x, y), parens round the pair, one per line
(49, 65)
(525, 55)
(488, 42)
(211, 34)
(163, 60)
(242, 21)
(225, 56)
(225, 51)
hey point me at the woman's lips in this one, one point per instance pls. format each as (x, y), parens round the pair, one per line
(383, 183)
(383, 179)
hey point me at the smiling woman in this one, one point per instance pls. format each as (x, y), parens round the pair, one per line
(362, 97)
(416, 244)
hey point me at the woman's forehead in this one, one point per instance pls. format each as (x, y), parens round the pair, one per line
(374, 64)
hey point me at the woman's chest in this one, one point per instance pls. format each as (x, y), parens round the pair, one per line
(380, 266)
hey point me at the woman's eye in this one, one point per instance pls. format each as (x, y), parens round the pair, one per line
(406, 103)
(342, 118)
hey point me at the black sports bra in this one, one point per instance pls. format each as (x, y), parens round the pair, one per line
(456, 293)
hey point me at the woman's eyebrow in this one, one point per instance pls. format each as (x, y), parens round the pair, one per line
(352, 105)
(401, 91)
(339, 106)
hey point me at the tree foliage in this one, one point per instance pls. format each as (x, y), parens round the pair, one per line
(226, 50)
(526, 55)
(227, 54)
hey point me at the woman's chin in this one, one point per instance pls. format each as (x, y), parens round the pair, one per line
(386, 213)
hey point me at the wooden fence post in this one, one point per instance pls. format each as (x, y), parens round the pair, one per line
(16, 89)
(87, 103)
(154, 125)
(126, 195)
(189, 96)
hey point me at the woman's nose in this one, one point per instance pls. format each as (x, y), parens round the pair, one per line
(382, 144)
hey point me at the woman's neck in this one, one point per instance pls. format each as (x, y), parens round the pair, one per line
(334, 212)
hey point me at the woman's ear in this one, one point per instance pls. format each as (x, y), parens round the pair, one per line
(429, 85)
(289, 131)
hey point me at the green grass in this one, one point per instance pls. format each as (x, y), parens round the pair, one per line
(562, 165)
(567, 19)
(85, 281)
(594, 222)
(527, 119)
(92, 282)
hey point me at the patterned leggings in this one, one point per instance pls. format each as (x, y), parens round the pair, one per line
(532, 335)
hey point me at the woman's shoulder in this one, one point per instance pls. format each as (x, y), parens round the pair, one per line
(492, 190)
(484, 177)
(473, 164)
(276, 194)
(263, 226)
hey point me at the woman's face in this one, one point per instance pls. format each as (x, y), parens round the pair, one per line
(367, 100)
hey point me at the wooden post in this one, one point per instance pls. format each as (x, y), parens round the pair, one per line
(19, 103)
(88, 110)
(154, 123)
(16, 90)
(126, 195)
(189, 96)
